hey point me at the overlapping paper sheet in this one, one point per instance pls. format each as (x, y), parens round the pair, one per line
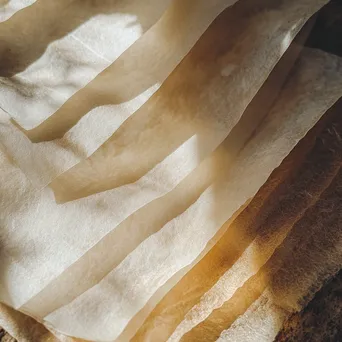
(81, 123)
(182, 135)
(10, 7)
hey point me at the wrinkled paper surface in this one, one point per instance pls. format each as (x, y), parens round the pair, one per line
(133, 138)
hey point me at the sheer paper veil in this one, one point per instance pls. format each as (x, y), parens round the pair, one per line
(170, 169)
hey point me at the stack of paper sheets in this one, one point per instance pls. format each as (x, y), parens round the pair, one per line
(138, 143)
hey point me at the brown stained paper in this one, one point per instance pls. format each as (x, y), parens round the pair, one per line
(318, 254)
(314, 176)
(121, 294)
(89, 117)
(316, 236)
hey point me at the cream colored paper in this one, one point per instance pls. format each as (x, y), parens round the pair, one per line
(87, 271)
(198, 105)
(102, 312)
(88, 118)
(54, 48)
(54, 236)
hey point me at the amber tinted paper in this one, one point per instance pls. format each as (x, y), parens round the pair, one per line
(45, 200)
(298, 97)
(258, 242)
(309, 254)
(87, 271)
(71, 226)
(156, 259)
(282, 261)
(41, 239)
(257, 110)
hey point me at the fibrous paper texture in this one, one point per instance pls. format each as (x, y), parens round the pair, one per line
(146, 150)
